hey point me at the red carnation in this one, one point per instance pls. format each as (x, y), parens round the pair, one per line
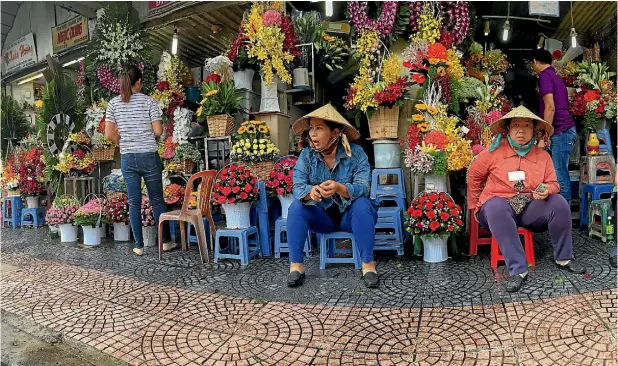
(273, 174)
(450, 228)
(423, 199)
(434, 225)
(289, 189)
(450, 204)
(248, 188)
(281, 176)
(433, 197)
(444, 216)
(419, 225)
(280, 191)
(440, 206)
(221, 200)
(454, 212)
(226, 191)
(459, 222)
(236, 189)
(429, 206)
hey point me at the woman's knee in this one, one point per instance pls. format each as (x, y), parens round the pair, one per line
(495, 205)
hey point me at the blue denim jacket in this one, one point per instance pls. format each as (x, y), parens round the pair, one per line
(354, 172)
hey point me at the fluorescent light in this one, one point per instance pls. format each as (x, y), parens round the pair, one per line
(30, 79)
(573, 38)
(329, 8)
(505, 32)
(73, 62)
(175, 42)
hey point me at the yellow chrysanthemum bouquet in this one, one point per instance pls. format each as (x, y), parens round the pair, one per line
(252, 143)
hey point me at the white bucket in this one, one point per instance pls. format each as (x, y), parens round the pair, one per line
(32, 201)
(301, 78)
(237, 215)
(435, 249)
(150, 236)
(103, 230)
(92, 235)
(68, 233)
(387, 154)
(435, 183)
(243, 79)
(122, 232)
(286, 201)
(269, 101)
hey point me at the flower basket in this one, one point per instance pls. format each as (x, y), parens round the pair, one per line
(237, 215)
(68, 233)
(384, 123)
(220, 125)
(106, 154)
(435, 248)
(261, 169)
(122, 231)
(92, 235)
(12, 192)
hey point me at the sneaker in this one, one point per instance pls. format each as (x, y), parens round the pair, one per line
(513, 283)
(295, 279)
(169, 246)
(138, 251)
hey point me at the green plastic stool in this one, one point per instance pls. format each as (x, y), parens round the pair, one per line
(598, 219)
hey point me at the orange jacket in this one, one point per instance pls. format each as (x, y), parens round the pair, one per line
(488, 175)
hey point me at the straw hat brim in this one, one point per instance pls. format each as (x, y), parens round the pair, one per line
(327, 113)
(520, 112)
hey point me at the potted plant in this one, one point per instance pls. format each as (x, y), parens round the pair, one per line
(222, 101)
(31, 174)
(61, 215)
(90, 217)
(117, 212)
(244, 68)
(149, 230)
(185, 157)
(252, 147)
(235, 188)
(434, 216)
(280, 183)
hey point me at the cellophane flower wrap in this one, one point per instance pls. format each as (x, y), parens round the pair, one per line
(252, 143)
(117, 209)
(433, 214)
(147, 212)
(280, 181)
(92, 213)
(235, 184)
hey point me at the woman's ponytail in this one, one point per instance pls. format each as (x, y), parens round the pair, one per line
(127, 80)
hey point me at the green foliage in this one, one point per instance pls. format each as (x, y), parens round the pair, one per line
(227, 100)
(455, 87)
(439, 163)
(308, 27)
(470, 88)
(591, 120)
(14, 122)
(186, 152)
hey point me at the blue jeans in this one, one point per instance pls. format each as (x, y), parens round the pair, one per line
(561, 146)
(359, 219)
(135, 167)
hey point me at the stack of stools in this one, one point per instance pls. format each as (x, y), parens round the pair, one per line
(34, 217)
(11, 212)
(281, 239)
(575, 201)
(605, 142)
(389, 218)
(596, 191)
(478, 235)
(497, 256)
(596, 179)
(600, 210)
(240, 244)
(329, 250)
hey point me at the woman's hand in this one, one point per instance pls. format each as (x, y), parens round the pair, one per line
(315, 194)
(540, 196)
(329, 188)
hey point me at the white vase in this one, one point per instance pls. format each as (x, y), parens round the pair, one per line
(301, 78)
(286, 201)
(435, 183)
(243, 79)
(387, 154)
(92, 235)
(32, 201)
(435, 249)
(150, 236)
(122, 232)
(237, 215)
(68, 233)
(269, 101)
(103, 230)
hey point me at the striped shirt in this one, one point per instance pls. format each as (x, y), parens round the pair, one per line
(134, 122)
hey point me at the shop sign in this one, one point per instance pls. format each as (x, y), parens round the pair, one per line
(70, 33)
(544, 8)
(20, 54)
(157, 4)
(156, 8)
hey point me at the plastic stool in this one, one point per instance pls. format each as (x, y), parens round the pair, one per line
(528, 248)
(596, 190)
(11, 213)
(281, 239)
(590, 166)
(328, 249)
(390, 218)
(478, 235)
(391, 190)
(605, 142)
(33, 217)
(192, 238)
(601, 209)
(238, 238)
(400, 201)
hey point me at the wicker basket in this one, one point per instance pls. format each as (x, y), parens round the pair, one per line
(186, 167)
(261, 169)
(106, 154)
(13, 192)
(220, 125)
(384, 123)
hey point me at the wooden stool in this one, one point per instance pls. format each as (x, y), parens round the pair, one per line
(496, 255)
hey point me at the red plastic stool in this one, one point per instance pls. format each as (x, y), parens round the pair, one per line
(478, 235)
(528, 248)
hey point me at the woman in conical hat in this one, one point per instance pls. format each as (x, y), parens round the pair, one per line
(513, 184)
(331, 188)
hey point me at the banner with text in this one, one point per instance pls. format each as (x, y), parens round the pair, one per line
(70, 33)
(20, 54)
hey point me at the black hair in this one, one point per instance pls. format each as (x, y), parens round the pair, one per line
(128, 79)
(542, 56)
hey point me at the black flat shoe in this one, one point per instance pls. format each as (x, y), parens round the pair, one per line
(295, 279)
(613, 260)
(573, 267)
(371, 280)
(513, 283)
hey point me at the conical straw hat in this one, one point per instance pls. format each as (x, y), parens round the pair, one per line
(520, 112)
(327, 113)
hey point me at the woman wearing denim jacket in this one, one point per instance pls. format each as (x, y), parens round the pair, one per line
(331, 188)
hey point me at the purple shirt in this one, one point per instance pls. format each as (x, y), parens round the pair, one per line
(549, 82)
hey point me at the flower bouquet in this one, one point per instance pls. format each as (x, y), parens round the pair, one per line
(117, 212)
(114, 183)
(103, 149)
(222, 101)
(252, 146)
(90, 217)
(185, 157)
(61, 214)
(31, 174)
(280, 183)
(235, 188)
(76, 163)
(149, 229)
(95, 118)
(173, 194)
(595, 99)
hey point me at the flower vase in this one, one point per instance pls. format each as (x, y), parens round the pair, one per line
(435, 249)
(92, 235)
(435, 183)
(237, 215)
(54, 232)
(286, 201)
(243, 79)
(269, 99)
(122, 231)
(301, 78)
(387, 154)
(149, 234)
(32, 201)
(68, 233)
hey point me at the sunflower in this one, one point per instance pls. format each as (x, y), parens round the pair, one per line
(418, 117)
(263, 129)
(251, 129)
(433, 110)
(441, 71)
(423, 127)
(244, 123)
(242, 130)
(211, 93)
(420, 106)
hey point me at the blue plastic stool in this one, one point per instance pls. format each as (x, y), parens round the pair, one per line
(328, 249)
(605, 142)
(192, 238)
(390, 190)
(238, 242)
(390, 218)
(34, 217)
(596, 190)
(400, 202)
(11, 212)
(281, 239)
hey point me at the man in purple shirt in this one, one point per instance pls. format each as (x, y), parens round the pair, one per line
(554, 108)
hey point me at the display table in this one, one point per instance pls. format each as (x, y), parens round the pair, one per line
(80, 187)
(279, 125)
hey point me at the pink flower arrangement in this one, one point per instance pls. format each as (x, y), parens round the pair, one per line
(147, 213)
(60, 216)
(117, 209)
(90, 213)
(385, 23)
(110, 81)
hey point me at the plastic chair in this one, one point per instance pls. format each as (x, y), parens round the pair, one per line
(528, 248)
(194, 216)
(281, 239)
(478, 235)
(390, 190)
(34, 217)
(389, 218)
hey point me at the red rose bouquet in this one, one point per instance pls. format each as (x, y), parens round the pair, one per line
(279, 181)
(433, 213)
(234, 184)
(117, 209)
